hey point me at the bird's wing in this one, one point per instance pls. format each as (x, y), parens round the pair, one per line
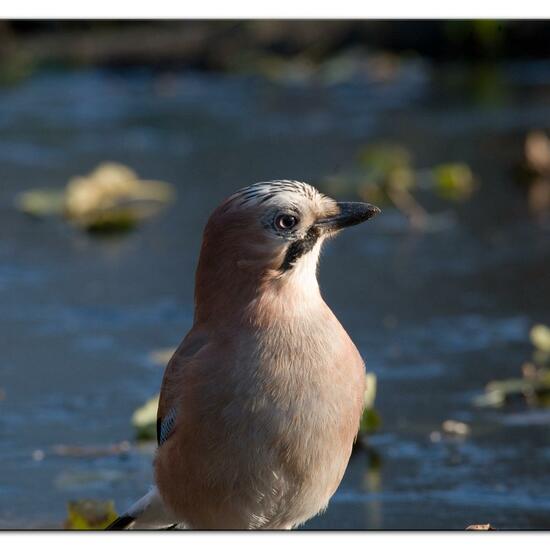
(149, 512)
(165, 425)
(167, 410)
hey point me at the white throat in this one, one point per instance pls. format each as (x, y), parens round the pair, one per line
(303, 275)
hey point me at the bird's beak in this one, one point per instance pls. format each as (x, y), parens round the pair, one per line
(351, 213)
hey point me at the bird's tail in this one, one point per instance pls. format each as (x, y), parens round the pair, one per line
(148, 512)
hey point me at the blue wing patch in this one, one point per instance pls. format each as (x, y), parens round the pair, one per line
(165, 426)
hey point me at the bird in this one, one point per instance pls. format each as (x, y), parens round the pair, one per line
(261, 402)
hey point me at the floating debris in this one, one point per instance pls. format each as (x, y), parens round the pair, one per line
(537, 152)
(502, 392)
(370, 421)
(534, 387)
(453, 181)
(480, 527)
(535, 173)
(41, 203)
(161, 357)
(111, 198)
(540, 337)
(491, 398)
(454, 427)
(384, 173)
(90, 514)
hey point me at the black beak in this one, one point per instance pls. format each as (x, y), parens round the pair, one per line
(351, 213)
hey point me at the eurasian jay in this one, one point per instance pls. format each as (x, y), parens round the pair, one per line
(261, 402)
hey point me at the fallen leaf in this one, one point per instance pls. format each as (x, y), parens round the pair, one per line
(454, 427)
(370, 392)
(41, 203)
(370, 420)
(454, 181)
(537, 151)
(540, 337)
(144, 419)
(90, 514)
(111, 198)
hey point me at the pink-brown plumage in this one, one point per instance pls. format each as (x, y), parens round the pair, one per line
(267, 385)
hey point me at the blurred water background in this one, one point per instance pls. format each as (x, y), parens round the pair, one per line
(438, 312)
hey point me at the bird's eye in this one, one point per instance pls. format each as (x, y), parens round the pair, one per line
(285, 222)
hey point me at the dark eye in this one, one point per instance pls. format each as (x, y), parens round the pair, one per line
(285, 222)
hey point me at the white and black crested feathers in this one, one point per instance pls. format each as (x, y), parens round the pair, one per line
(264, 191)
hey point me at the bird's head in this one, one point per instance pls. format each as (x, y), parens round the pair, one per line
(271, 232)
